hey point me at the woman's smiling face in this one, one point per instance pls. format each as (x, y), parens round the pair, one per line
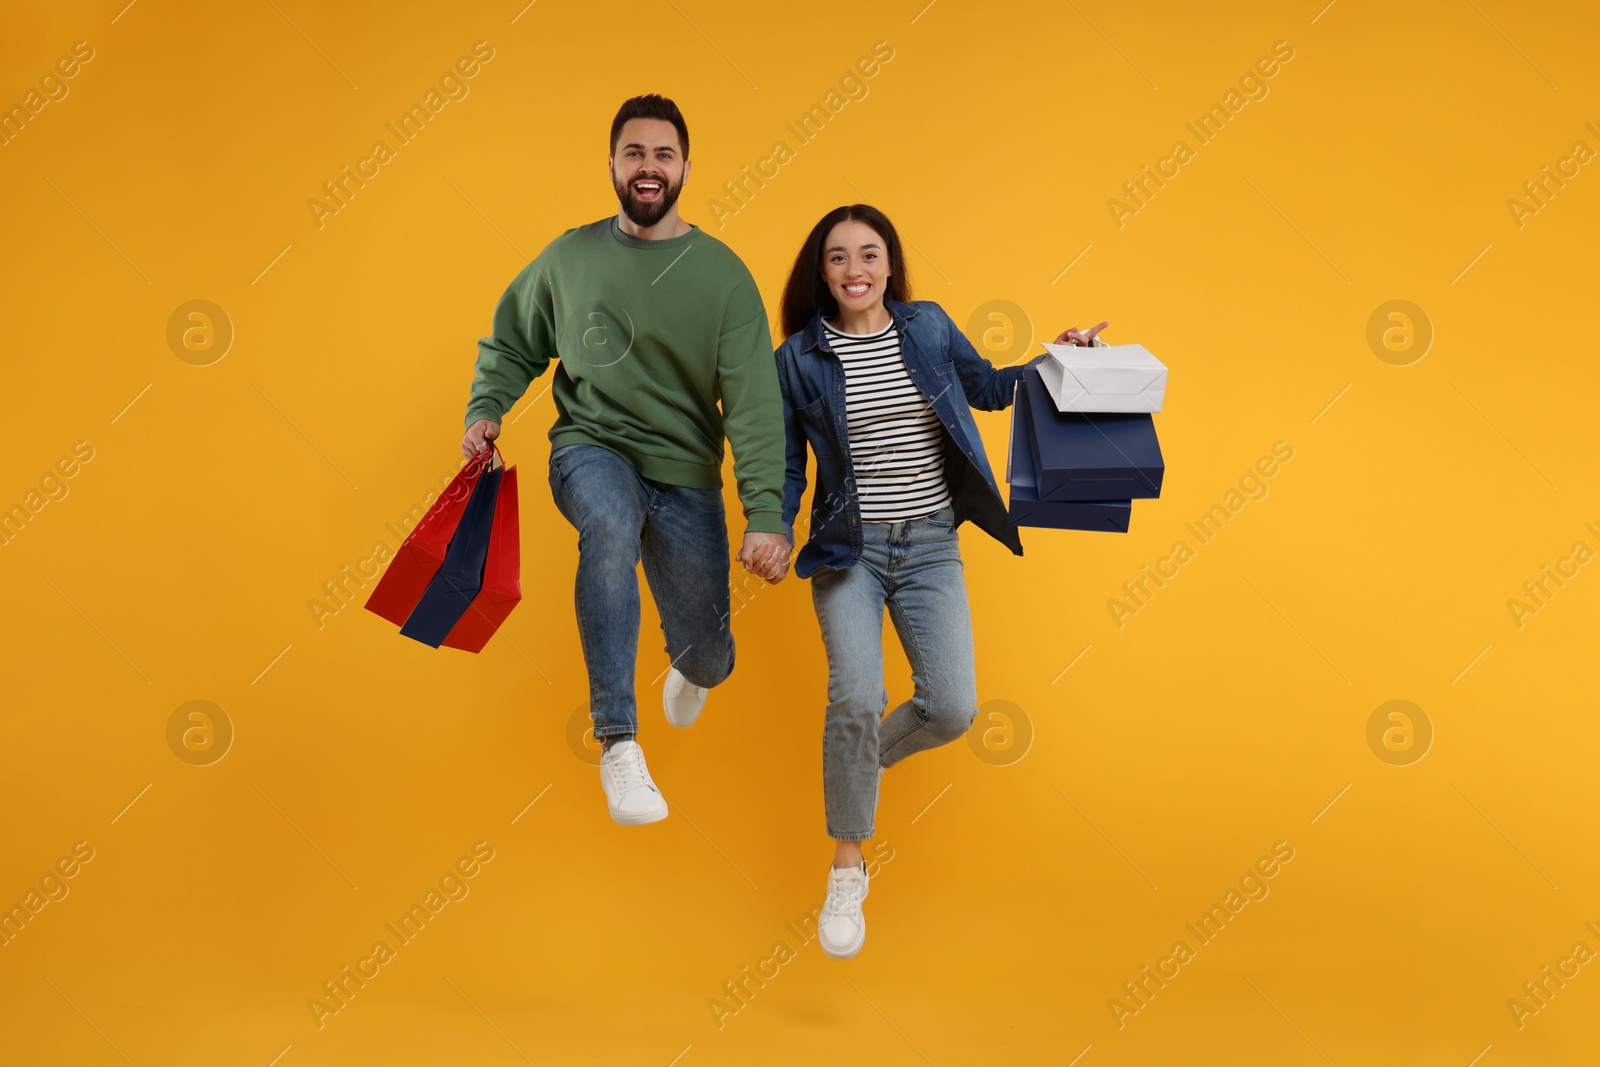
(855, 264)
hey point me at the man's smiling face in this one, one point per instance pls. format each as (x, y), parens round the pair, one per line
(648, 169)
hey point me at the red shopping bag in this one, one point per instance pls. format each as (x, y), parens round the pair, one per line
(420, 555)
(502, 574)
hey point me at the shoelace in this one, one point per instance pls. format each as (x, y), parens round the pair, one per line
(842, 893)
(628, 772)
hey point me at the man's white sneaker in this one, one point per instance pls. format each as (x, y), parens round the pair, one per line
(630, 794)
(682, 699)
(841, 928)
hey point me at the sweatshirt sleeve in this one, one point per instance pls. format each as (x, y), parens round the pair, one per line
(518, 348)
(752, 413)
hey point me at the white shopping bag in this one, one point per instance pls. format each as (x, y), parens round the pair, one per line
(1104, 378)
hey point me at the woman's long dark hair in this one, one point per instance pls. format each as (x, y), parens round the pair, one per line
(806, 293)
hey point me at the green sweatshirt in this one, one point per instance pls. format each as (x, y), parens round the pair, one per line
(651, 337)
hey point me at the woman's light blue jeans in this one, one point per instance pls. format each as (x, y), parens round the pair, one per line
(914, 569)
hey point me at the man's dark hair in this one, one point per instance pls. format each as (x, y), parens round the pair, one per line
(806, 293)
(651, 106)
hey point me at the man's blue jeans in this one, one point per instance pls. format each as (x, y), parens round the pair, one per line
(681, 535)
(912, 568)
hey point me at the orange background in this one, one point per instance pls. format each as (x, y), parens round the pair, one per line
(1022, 878)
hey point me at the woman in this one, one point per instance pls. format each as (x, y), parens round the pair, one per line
(881, 390)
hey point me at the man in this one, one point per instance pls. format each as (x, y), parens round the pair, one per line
(653, 322)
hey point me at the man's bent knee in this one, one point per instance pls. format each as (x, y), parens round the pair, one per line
(707, 667)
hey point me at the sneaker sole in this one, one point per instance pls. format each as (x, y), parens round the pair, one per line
(684, 725)
(642, 819)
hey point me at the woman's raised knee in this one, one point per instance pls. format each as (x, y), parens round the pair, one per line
(949, 719)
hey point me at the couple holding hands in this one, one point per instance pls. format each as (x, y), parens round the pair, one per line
(664, 352)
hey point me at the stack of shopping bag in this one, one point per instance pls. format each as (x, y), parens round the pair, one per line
(457, 576)
(1083, 445)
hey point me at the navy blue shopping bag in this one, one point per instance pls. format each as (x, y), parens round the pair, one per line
(1027, 509)
(1080, 456)
(460, 576)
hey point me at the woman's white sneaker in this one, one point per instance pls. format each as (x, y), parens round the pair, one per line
(682, 699)
(841, 928)
(630, 794)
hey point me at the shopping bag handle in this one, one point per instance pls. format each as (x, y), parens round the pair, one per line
(494, 453)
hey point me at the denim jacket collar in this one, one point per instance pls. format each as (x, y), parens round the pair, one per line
(811, 337)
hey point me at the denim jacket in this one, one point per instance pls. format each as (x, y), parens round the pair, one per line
(951, 375)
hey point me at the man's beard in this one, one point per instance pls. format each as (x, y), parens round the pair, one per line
(642, 213)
